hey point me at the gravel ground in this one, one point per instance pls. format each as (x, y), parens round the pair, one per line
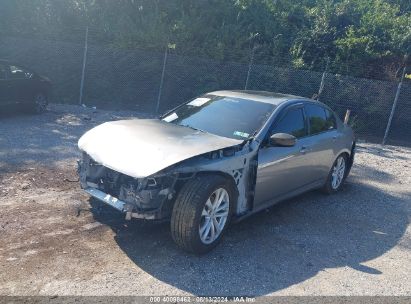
(54, 240)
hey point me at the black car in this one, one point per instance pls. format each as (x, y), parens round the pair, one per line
(21, 87)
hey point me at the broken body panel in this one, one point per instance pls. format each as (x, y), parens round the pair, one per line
(137, 166)
(142, 147)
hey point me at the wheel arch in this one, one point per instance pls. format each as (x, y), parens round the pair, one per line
(349, 156)
(349, 152)
(179, 185)
(42, 91)
(345, 152)
(227, 176)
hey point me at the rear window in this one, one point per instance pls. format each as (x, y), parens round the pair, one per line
(317, 118)
(331, 120)
(19, 73)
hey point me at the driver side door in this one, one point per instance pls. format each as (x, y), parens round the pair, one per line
(283, 170)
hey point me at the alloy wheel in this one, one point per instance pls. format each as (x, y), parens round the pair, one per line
(214, 216)
(41, 103)
(338, 173)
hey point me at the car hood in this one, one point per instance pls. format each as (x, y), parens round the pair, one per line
(142, 147)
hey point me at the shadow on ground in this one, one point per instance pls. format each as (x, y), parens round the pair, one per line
(49, 138)
(46, 138)
(275, 249)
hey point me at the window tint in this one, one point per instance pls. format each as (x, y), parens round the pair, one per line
(292, 123)
(317, 118)
(331, 121)
(19, 73)
(224, 116)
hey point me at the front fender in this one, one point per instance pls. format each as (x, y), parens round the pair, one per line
(238, 167)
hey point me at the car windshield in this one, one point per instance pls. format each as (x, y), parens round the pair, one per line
(224, 116)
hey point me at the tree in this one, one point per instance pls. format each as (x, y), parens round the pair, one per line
(361, 37)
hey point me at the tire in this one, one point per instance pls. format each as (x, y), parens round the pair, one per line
(39, 104)
(337, 175)
(351, 159)
(192, 209)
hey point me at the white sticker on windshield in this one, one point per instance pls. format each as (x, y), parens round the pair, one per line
(198, 102)
(170, 117)
(241, 134)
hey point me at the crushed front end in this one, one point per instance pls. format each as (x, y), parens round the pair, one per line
(144, 198)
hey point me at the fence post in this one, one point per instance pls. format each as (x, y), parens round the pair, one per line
(321, 89)
(84, 67)
(250, 65)
(394, 106)
(162, 79)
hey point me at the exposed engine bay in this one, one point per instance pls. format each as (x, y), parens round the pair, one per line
(153, 197)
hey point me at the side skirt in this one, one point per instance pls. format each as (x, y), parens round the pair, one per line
(312, 186)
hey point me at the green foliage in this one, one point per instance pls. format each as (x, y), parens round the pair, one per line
(361, 37)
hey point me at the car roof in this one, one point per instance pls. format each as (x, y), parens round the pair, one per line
(260, 96)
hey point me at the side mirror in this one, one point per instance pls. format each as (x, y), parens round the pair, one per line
(282, 140)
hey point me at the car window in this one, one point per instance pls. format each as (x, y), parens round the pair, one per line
(3, 71)
(224, 116)
(317, 118)
(331, 121)
(19, 73)
(292, 123)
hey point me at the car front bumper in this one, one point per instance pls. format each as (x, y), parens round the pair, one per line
(135, 198)
(122, 206)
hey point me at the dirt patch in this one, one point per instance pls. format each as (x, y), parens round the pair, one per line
(25, 180)
(54, 240)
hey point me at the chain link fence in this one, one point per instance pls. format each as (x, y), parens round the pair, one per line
(107, 76)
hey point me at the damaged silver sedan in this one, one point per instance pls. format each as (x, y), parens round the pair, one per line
(215, 159)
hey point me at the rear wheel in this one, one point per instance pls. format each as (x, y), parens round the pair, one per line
(337, 174)
(40, 104)
(201, 213)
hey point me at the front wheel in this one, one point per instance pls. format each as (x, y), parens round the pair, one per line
(40, 104)
(337, 175)
(201, 213)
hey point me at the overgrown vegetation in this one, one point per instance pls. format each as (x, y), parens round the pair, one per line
(367, 38)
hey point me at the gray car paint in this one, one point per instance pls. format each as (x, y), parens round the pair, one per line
(282, 172)
(142, 147)
(287, 171)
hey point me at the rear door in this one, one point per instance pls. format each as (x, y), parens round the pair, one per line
(283, 169)
(323, 136)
